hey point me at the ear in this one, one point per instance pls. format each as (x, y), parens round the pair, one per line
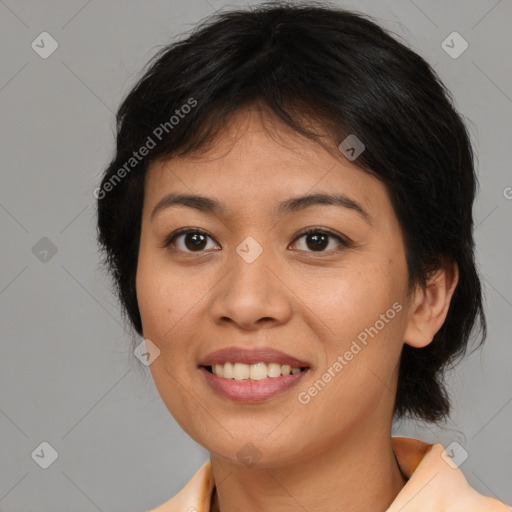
(430, 306)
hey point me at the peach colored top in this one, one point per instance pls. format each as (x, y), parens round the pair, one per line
(433, 485)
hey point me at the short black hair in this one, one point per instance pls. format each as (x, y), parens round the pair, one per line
(306, 62)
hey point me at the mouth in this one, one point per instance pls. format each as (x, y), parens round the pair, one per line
(251, 375)
(255, 372)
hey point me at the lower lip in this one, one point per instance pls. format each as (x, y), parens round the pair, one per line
(251, 390)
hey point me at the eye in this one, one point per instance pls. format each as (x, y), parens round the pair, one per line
(317, 239)
(194, 240)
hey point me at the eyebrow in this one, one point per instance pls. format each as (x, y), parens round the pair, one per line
(293, 204)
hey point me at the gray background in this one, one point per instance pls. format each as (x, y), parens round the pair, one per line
(67, 374)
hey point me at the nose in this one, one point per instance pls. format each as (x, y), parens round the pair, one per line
(252, 295)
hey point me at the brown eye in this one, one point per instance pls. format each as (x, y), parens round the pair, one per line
(317, 240)
(188, 240)
(194, 240)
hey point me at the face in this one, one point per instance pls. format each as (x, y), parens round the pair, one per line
(247, 281)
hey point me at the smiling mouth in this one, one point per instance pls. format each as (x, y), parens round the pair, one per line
(258, 371)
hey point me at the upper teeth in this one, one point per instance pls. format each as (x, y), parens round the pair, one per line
(258, 371)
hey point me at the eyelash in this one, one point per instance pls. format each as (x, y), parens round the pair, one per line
(307, 231)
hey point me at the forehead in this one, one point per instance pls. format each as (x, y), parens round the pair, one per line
(257, 161)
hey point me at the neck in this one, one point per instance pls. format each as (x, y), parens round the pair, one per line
(359, 473)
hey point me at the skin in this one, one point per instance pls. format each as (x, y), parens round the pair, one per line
(335, 452)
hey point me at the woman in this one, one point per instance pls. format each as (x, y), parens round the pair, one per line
(288, 221)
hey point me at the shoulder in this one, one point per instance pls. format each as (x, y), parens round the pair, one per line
(195, 496)
(435, 483)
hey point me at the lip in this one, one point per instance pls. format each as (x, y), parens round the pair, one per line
(252, 356)
(251, 390)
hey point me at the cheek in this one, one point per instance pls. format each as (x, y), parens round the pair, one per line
(153, 295)
(164, 300)
(350, 300)
(164, 297)
(361, 315)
